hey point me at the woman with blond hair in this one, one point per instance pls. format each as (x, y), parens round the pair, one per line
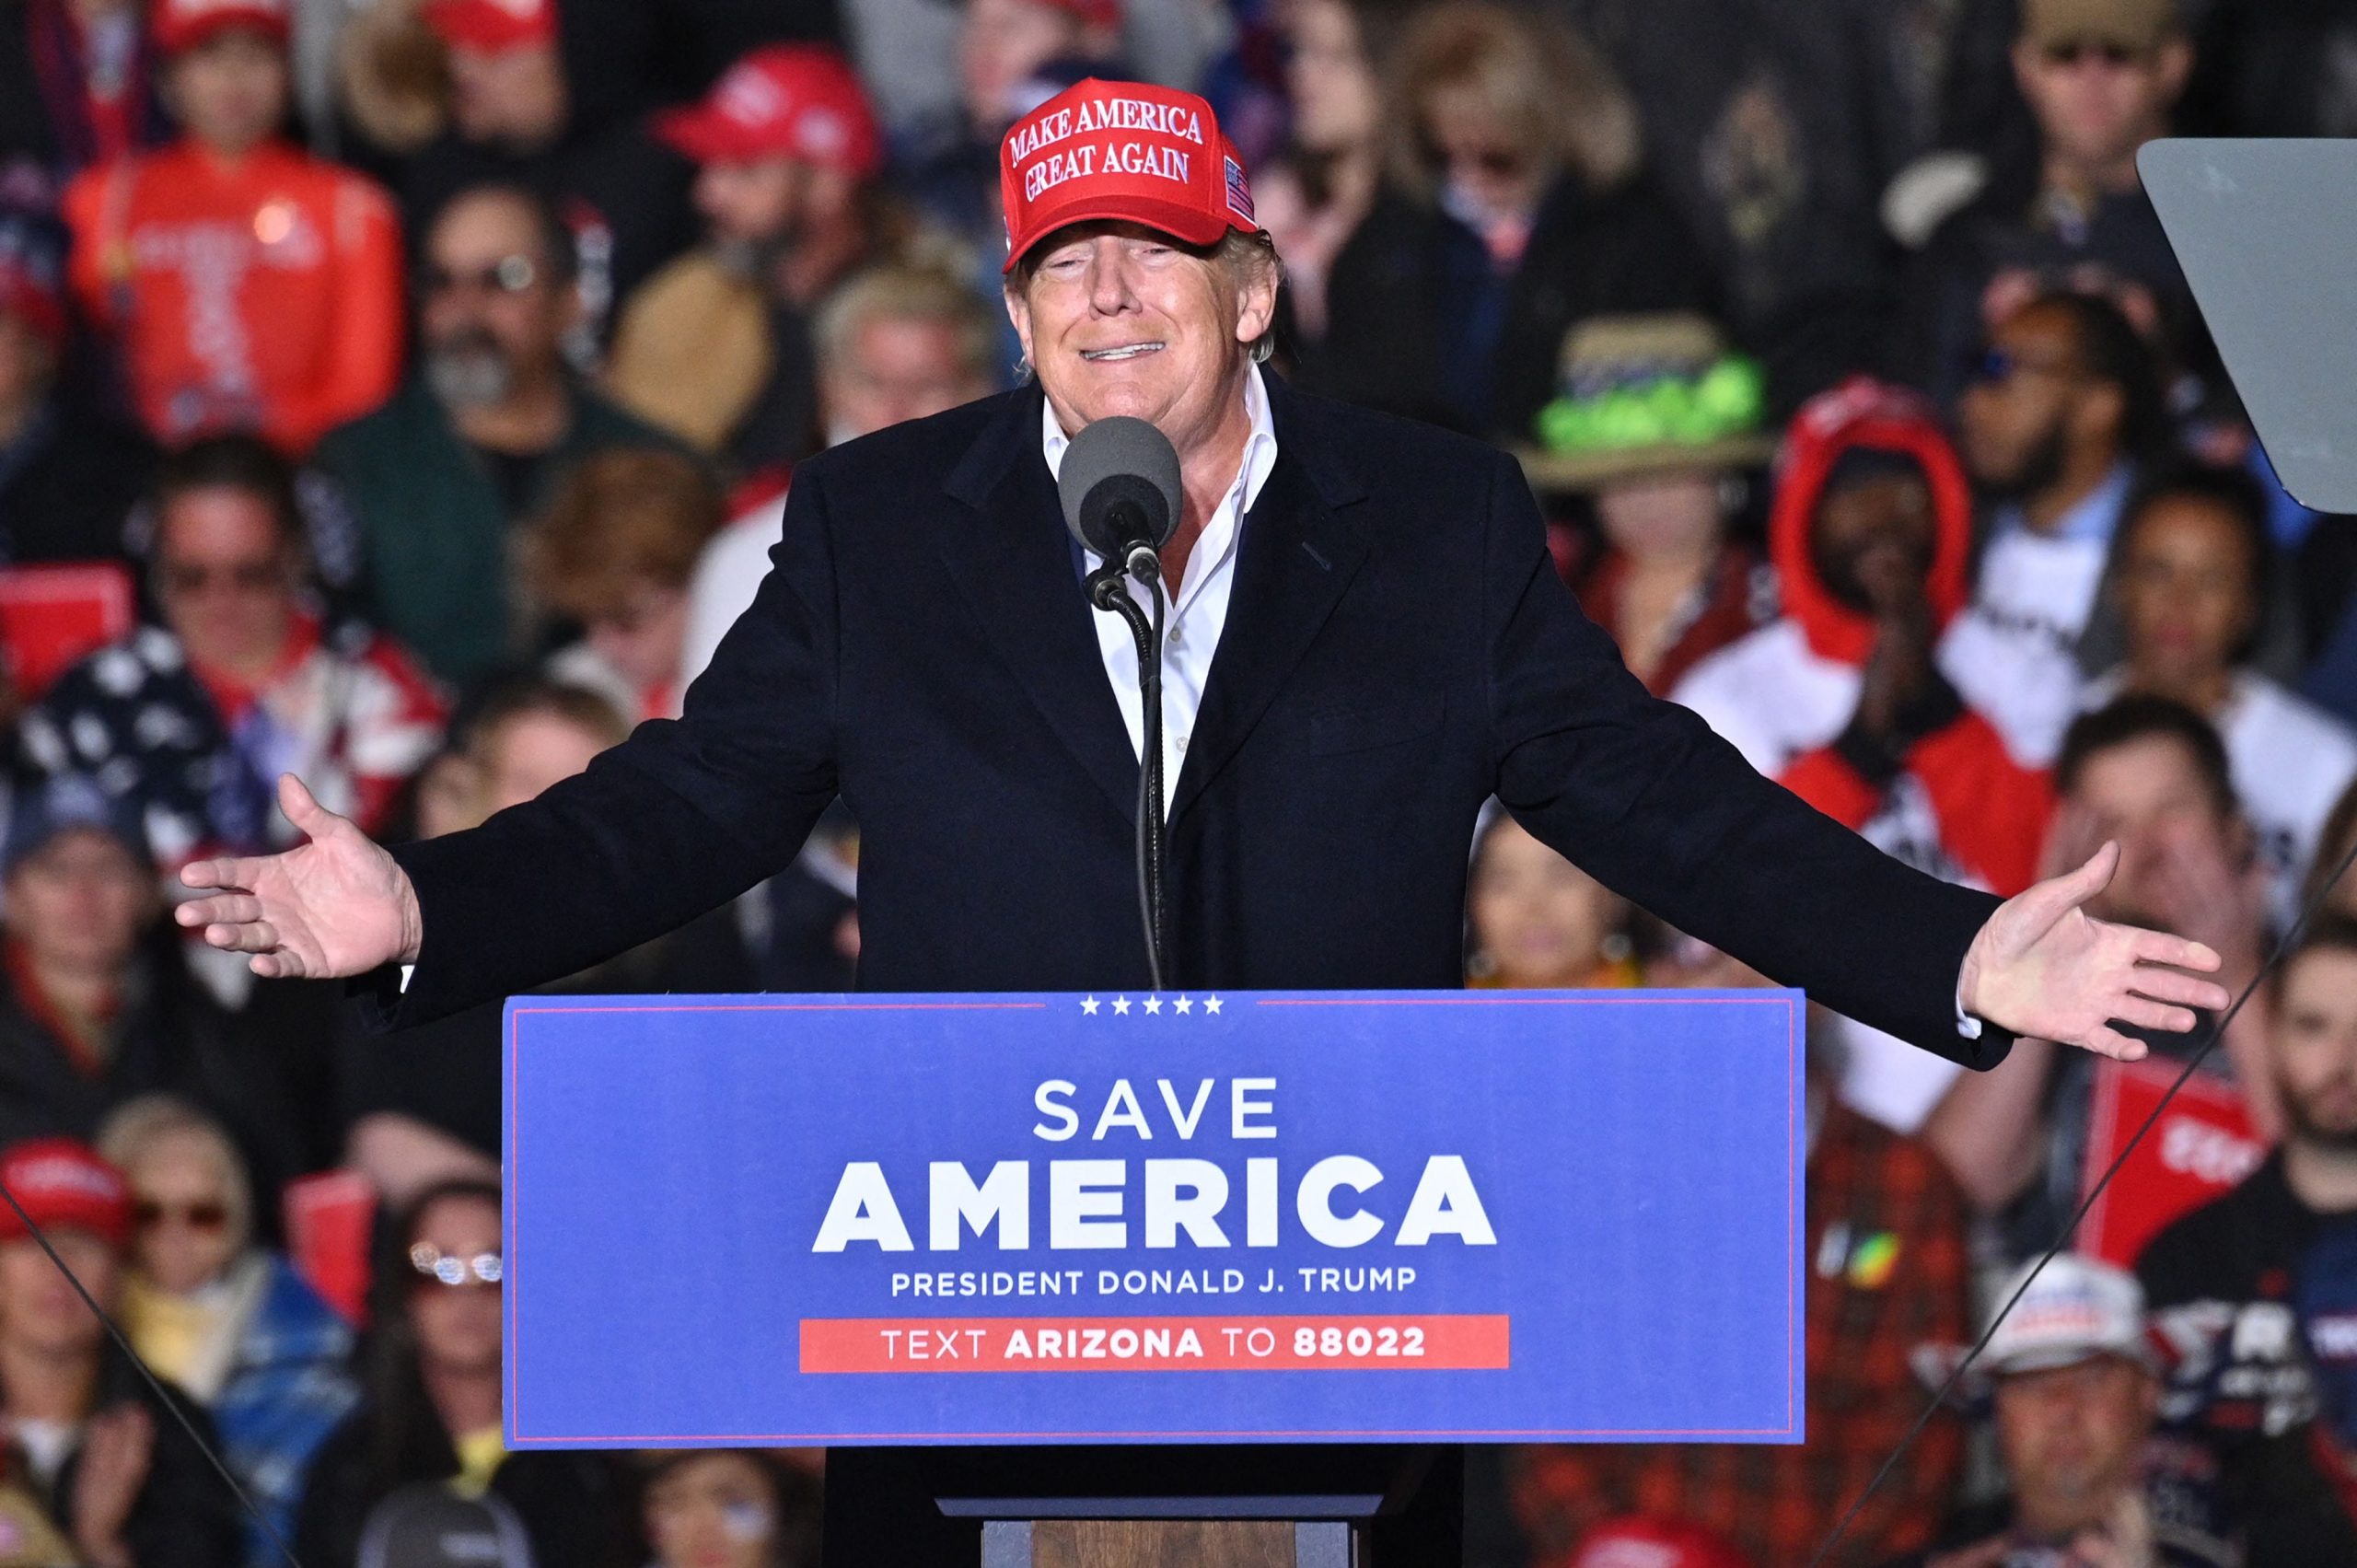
(613, 553)
(221, 1317)
(1513, 208)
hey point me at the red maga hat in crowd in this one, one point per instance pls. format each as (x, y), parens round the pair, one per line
(491, 27)
(184, 24)
(1121, 150)
(800, 100)
(1092, 13)
(64, 1185)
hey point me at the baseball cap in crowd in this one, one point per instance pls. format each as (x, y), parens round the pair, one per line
(490, 27)
(1091, 13)
(183, 24)
(63, 804)
(2136, 26)
(2324, 1298)
(2075, 1310)
(1644, 1540)
(429, 1525)
(1104, 150)
(64, 1185)
(799, 100)
(31, 289)
(1644, 395)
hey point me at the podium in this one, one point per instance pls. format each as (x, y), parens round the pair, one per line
(1130, 1279)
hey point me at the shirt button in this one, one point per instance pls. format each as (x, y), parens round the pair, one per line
(1177, 636)
(1180, 743)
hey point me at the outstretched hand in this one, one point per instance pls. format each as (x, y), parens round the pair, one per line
(334, 906)
(2044, 967)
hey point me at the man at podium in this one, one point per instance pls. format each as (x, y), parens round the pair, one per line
(1367, 641)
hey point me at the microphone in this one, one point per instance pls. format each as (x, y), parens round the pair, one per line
(1119, 488)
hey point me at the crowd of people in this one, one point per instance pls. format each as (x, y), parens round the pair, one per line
(427, 375)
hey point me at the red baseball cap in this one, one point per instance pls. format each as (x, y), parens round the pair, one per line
(64, 1185)
(800, 100)
(1092, 13)
(183, 24)
(490, 27)
(1121, 150)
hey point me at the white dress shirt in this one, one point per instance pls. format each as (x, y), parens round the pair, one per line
(1192, 626)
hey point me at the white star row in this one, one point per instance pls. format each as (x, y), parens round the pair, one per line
(1089, 1004)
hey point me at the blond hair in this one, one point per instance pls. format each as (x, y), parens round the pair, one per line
(898, 291)
(1545, 85)
(136, 1126)
(617, 519)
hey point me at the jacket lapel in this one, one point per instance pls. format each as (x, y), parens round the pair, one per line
(1012, 563)
(1294, 560)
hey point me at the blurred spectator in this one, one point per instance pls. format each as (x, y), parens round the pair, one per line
(190, 724)
(2151, 776)
(1320, 185)
(1657, 420)
(442, 477)
(2191, 570)
(895, 342)
(2236, 1258)
(2100, 77)
(116, 1473)
(2323, 886)
(556, 116)
(1514, 210)
(96, 1008)
(1843, 699)
(731, 1508)
(246, 284)
(431, 1411)
(717, 346)
(228, 1322)
(613, 553)
(78, 85)
(2273, 68)
(1536, 922)
(2321, 1527)
(67, 478)
(427, 1108)
(2062, 410)
(1013, 56)
(1886, 1234)
(1773, 127)
(2074, 1382)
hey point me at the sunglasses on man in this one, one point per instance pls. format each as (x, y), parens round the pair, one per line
(437, 1267)
(207, 1218)
(509, 274)
(2077, 51)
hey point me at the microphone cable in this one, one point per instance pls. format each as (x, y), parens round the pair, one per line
(1109, 591)
(164, 1396)
(2210, 1039)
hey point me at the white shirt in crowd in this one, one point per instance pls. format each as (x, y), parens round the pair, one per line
(1192, 627)
(727, 574)
(2290, 760)
(2012, 654)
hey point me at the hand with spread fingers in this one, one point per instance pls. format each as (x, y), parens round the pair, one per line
(335, 906)
(2044, 967)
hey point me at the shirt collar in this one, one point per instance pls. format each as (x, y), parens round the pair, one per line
(1260, 446)
(2092, 521)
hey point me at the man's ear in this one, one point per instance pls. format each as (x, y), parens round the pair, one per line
(1018, 311)
(2103, 407)
(2174, 64)
(1256, 303)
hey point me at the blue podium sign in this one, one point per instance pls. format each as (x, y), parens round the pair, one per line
(1252, 1217)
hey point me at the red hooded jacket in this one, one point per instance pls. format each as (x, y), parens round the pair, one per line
(1992, 811)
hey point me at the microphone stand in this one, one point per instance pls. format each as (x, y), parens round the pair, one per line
(1108, 591)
